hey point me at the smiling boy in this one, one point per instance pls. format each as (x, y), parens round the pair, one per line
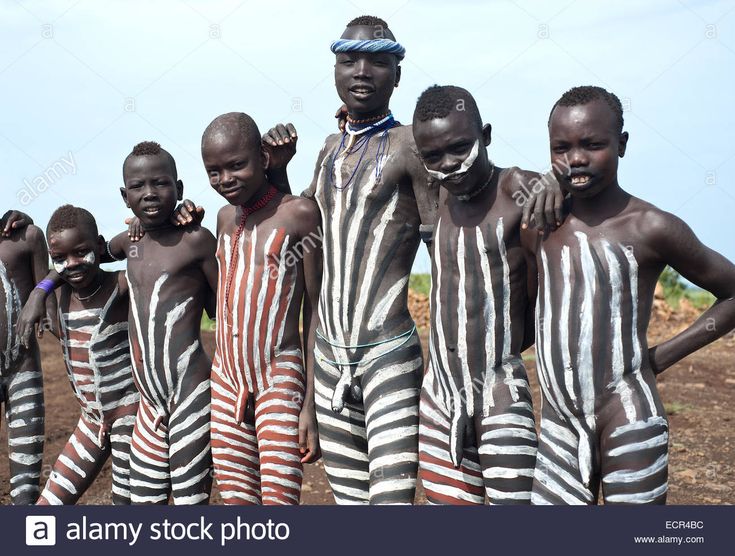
(602, 421)
(269, 256)
(93, 330)
(477, 436)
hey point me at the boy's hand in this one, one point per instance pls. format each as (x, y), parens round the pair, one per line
(280, 143)
(308, 435)
(186, 214)
(14, 220)
(341, 116)
(545, 207)
(33, 313)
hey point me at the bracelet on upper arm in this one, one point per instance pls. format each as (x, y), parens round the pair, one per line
(46, 285)
(109, 252)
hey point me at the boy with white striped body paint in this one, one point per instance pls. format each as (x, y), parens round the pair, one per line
(477, 436)
(602, 420)
(23, 262)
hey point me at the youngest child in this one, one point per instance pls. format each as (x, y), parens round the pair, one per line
(93, 330)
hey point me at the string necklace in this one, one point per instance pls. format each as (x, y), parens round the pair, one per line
(91, 295)
(247, 210)
(359, 139)
(374, 119)
(474, 193)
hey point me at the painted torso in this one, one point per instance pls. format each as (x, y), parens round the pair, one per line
(594, 302)
(371, 236)
(478, 298)
(259, 295)
(94, 338)
(167, 295)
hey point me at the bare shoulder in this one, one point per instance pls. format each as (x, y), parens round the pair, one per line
(657, 227)
(515, 180)
(304, 212)
(34, 235)
(198, 235)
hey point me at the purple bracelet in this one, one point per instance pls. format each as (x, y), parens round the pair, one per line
(46, 285)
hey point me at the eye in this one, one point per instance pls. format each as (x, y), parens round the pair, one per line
(559, 149)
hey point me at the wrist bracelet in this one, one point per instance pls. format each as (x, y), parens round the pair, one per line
(113, 257)
(46, 285)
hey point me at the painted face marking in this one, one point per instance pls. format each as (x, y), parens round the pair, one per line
(463, 169)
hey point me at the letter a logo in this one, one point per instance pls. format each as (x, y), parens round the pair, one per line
(40, 530)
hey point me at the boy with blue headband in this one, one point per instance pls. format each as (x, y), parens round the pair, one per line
(373, 193)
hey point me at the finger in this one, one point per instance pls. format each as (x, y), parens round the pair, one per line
(538, 211)
(292, 131)
(302, 440)
(549, 211)
(269, 139)
(283, 135)
(527, 210)
(558, 206)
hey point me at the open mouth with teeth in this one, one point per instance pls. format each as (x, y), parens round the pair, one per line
(580, 180)
(152, 210)
(361, 92)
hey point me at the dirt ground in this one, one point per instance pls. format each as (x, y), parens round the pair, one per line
(698, 394)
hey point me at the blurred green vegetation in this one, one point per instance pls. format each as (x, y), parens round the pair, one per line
(675, 290)
(420, 283)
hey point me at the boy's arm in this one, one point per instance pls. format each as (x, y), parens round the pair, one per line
(544, 201)
(280, 144)
(308, 436)
(40, 269)
(117, 248)
(425, 191)
(682, 250)
(211, 273)
(529, 242)
(14, 220)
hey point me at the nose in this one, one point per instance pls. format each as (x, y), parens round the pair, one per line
(362, 68)
(149, 193)
(226, 177)
(450, 164)
(577, 158)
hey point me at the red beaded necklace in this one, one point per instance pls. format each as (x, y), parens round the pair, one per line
(246, 211)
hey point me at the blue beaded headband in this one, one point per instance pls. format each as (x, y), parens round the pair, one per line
(371, 45)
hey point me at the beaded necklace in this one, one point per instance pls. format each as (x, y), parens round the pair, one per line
(359, 139)
(246, 211)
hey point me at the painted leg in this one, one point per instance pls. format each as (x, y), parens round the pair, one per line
(190, 453)
(149, 465)
(24, 413)
(391, 390)
(635, 459)
(444, 483)
(506, 438)
(342, 439)
(557, 478)
(277, 422)
(77, 466)
(234, 448)
(121, 437)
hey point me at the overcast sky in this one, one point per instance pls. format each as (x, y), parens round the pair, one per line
(82, 81)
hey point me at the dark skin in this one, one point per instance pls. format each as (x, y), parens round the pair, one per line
(365, 83)
(152, 190)
(13, 220)
(588, 136)
(236, 170)
(443, 144)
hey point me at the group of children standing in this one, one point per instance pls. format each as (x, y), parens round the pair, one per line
(315, 350)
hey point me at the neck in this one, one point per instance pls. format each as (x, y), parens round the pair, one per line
(158, 227)
(377, 113)
(258, 195)
(93, 287)
(607, 202)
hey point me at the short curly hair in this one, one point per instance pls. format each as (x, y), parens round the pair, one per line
(151, 148)
(67, 217)
(578, 96)
(438, 101)
(367, 20)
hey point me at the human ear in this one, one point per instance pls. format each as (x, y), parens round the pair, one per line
(622, 144)
(487, 134)
(124, 194)
(265, 157)
(398, 76)
(179, 190)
